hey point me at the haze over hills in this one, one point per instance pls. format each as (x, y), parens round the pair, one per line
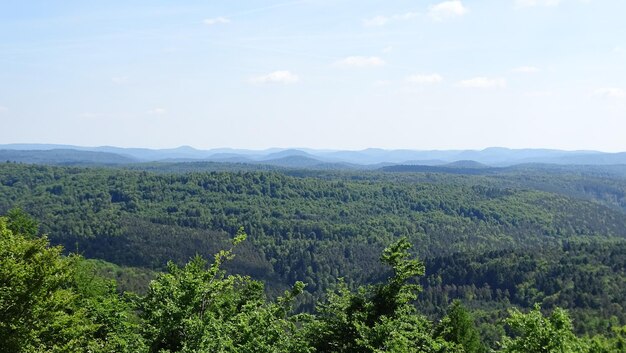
(371, 158)
(65, 156)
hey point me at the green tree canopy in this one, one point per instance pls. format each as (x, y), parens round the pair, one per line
(533, 332)
(458, 327)
(51, 303)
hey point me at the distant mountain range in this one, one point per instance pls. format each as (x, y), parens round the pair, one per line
(371, 158)
(64, 156)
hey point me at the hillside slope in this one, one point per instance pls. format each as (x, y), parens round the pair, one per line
(302, 228)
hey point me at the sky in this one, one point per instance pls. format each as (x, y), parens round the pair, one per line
(330, 74)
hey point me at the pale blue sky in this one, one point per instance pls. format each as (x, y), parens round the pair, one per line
(339, 74)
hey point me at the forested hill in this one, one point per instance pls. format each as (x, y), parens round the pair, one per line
(302, 228)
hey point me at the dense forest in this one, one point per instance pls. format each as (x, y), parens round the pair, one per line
(504, 253)
(53, 303)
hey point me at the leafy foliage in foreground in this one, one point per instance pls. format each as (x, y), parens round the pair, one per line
(53, 303)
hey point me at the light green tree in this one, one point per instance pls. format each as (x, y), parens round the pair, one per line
(51, 303)
(199, 308)
(615, 343)
(533, 332)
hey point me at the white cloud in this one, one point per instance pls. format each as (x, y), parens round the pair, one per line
(425, 79)
(157, 111)
(483, 82)
(216, 21)
(534, 3)
(447, 9)
(611, 92)
(284, 77)
(378, 21)
(120, 80)
(3, 109)
(360, 62)
(526, 69)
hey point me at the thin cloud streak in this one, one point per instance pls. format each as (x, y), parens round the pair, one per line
(216, 21)
(360, 62)
(280, 77)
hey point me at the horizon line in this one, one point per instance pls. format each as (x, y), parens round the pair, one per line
(302, 148)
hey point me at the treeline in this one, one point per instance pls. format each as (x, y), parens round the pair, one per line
(55, 303)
